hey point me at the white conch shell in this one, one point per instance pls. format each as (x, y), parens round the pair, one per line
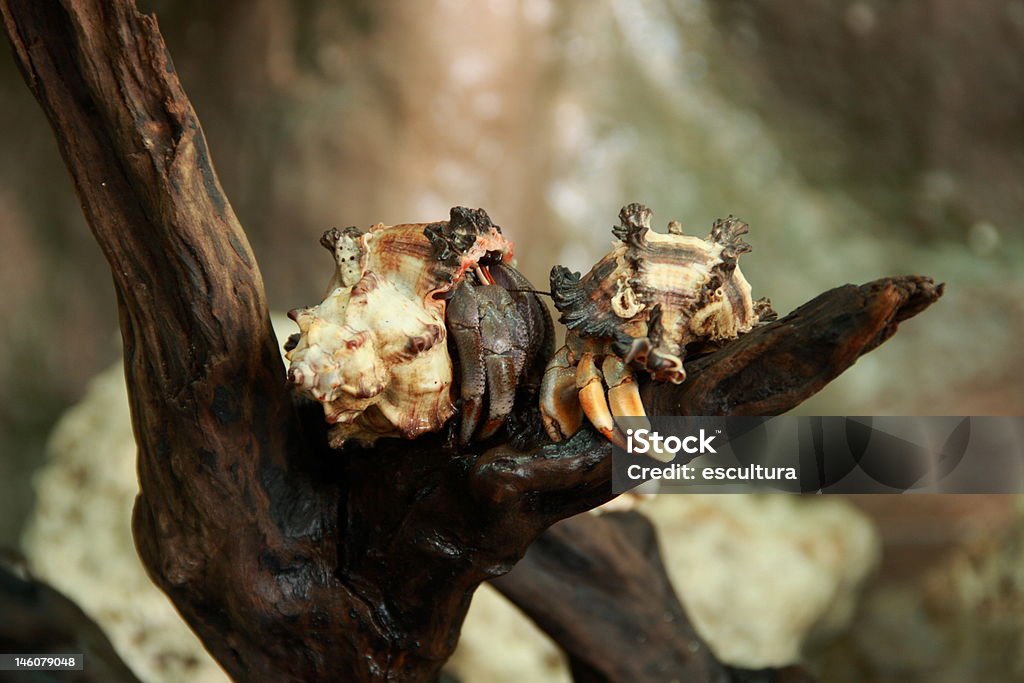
(355, 356)
(374, 351)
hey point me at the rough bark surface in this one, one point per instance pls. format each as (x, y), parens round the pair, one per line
(290, 562)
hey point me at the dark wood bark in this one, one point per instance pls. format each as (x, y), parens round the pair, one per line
(290, 562)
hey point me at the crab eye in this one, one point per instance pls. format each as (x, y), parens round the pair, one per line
(491, 258)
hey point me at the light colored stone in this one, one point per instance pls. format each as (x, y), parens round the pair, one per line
(500, 645)
(758, 574)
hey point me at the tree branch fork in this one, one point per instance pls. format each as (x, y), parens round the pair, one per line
(290, 561)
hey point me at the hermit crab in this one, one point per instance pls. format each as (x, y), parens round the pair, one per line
(375, 351)
(640, 307)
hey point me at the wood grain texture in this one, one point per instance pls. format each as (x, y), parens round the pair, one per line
(290, 562)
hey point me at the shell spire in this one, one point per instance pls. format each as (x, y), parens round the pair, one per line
(580, 310)
(634, 223)
(456, 236)
(729, 233)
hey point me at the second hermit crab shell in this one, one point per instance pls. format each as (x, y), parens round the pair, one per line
(654, 293)
(374, 351)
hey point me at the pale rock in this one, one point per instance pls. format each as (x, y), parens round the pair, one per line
(758, 574)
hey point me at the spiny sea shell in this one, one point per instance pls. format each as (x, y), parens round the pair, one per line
(654, 293)
(374, 351)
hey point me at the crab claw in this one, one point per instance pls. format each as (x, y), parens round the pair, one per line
(623, 392)
(624, 400)
(590, 384)
(559, 403)
(463, 318)
(490, 338)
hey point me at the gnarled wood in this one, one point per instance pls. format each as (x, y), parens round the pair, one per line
(292, 562)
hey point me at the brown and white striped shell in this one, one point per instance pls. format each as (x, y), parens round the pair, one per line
(374, 351)
(655, 293)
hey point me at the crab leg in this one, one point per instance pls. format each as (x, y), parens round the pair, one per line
(503, 335)
(463, 320)
(624, 400)
(623, 392)
(501, 385)
(483, 275)
(559, 402)
(590, 383)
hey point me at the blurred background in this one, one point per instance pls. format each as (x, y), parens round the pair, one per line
(857, 138)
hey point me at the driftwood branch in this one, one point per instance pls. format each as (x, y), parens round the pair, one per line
(290, 562)
(596, 585)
